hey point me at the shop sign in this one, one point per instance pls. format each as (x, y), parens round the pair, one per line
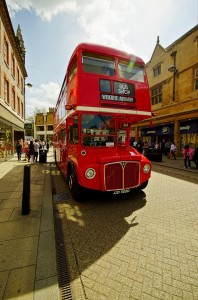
(158, 130)
(189, 127)
(28, 126)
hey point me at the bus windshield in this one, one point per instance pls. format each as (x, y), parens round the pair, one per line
(130, 70)
(98, 130)
(98, 64)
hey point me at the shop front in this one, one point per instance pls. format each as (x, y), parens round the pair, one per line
(189, 133)
(9, 134)
(5, 141)
(158, 134)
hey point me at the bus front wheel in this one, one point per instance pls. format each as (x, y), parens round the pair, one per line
(144, 185)
(74, 186)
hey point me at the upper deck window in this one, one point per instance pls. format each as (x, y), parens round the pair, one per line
(98, 64)
(130, 70)
(73, 70)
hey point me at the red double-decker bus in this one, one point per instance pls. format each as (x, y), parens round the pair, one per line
(105, 91)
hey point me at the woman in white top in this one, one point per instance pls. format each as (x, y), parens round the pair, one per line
(173, 150)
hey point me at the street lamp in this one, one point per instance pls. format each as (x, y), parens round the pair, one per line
(174, 70)
(29, 85)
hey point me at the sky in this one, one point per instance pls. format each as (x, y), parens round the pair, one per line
(52, 29)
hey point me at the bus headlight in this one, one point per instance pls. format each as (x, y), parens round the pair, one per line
(90, 173)
(146, 168)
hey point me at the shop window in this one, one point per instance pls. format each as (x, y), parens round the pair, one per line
(157, 70)
(156, 95)
(196, 79)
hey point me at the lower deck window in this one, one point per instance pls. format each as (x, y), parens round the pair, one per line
(98, 130)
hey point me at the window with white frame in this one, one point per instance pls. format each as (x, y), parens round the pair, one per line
(22, 111)
(156, 95)
(13, 99)
(18, 105)
(13, 66)
(6, 52)
(6, 91)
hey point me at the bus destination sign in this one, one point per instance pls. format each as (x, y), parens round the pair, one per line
(117, 98)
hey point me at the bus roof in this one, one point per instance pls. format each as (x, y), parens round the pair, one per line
(101, 49)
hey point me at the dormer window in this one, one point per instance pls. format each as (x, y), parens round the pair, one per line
(157, 70)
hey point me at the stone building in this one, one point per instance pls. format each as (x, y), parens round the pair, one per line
(12, 84)
(44, 126)
(173, 80)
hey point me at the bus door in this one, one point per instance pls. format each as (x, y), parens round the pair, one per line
(123, 132)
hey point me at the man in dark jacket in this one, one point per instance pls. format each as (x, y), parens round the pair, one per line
(18, 149)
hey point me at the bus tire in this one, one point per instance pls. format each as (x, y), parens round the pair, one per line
(144, 185)
(74, 186)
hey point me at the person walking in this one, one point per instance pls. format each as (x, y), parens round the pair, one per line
(187, 155)
(167, 148)
(47, 146)
(195, 157)
(18, 149)
(31, 152)
(173, 149)
(36, 150)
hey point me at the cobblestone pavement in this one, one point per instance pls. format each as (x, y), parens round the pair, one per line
(137, 246)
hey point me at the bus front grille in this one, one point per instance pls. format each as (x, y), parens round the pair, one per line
(121, 175)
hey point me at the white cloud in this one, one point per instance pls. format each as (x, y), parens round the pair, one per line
(45, 9)
(41, 97)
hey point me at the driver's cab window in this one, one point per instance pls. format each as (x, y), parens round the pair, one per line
(73, 131)
(122, 136)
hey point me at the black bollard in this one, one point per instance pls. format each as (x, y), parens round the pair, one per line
(26, 191)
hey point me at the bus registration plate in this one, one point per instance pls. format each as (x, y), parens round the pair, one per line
(121, 192)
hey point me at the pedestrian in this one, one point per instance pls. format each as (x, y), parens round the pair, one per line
(47, 146)
(195, 157)
(31, 152)
(167, 148)
(173, 149)
(139, 146)
(145, 148)
(131, 141)
(187, 155)
(18, 149)
(36, 150)
(134, 144)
